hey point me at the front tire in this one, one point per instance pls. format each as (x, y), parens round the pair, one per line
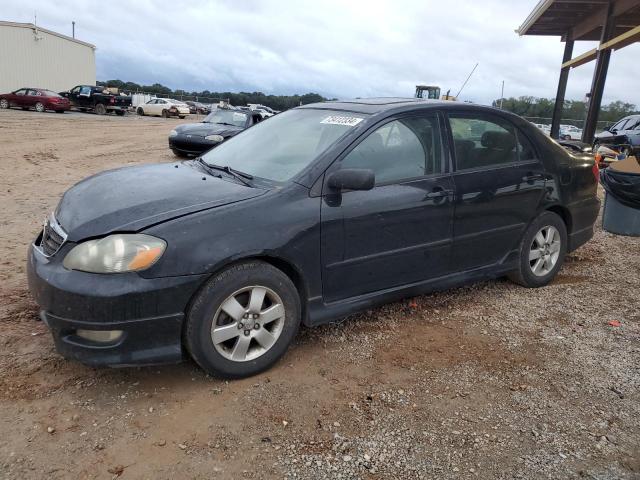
(243, 320)
(542, 251)
(140, 111)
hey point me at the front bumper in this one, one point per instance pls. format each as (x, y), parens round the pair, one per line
(191, 144)
(149, 312)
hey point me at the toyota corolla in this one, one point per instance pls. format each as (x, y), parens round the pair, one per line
(320, 212)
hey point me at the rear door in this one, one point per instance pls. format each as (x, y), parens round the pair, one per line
(84, 97)
(399, 232)
(159, 106)
(32, 97)
(499, 183)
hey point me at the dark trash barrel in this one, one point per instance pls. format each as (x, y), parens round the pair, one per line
(621, 182)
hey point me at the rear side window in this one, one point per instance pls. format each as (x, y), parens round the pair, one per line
(481, 142)
(400, 150)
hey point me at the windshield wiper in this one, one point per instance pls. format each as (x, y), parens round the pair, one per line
(225, 123)
(237, 174)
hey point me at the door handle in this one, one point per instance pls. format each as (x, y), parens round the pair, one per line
(439, 192)
(531, 177)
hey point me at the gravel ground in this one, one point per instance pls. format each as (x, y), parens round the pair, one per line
(486, 381)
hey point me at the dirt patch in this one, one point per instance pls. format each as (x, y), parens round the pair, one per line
(486, 381)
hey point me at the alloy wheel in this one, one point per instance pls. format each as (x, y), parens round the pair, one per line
(4, 103)
(248, 323)
(39, 107)
(544, 251)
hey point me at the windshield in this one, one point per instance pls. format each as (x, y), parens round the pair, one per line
(280, 147)
(230, 117)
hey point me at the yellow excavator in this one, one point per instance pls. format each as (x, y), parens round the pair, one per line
(432, 92)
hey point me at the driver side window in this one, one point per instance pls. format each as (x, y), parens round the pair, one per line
(399, 150)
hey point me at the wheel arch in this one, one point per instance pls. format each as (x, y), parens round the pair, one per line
(564, 214)
(286, 266)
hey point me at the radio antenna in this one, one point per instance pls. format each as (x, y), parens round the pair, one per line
(465, 82)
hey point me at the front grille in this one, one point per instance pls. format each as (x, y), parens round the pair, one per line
(53, 236)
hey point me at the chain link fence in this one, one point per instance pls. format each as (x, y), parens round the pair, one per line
(567, 121)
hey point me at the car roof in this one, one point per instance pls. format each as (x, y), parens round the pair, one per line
(376, 105)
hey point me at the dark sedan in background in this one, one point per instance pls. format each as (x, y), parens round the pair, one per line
(198, 108)
(38, 99)
(319, 212)
(624, 134)
(196, 138)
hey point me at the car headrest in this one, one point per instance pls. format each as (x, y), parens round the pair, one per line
(498, 140)
(375, 141)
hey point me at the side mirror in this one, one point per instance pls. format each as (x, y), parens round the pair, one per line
(352, 179)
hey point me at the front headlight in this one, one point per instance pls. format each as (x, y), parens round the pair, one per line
(116, 254)
(214, 138)
(173, 133)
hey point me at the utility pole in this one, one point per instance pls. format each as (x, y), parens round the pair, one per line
(73, 29)
(501, 94)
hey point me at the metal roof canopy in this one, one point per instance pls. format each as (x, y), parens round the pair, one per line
(615, 23)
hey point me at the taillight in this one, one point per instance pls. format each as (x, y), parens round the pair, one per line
(112, 100)
(595, 169)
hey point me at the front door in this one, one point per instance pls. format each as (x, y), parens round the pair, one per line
(18, 98)
(399, 232)
(499, 183)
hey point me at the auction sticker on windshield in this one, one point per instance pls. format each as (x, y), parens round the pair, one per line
(340, 120)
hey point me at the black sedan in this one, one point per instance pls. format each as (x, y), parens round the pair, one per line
(320, 212)
(196, 138)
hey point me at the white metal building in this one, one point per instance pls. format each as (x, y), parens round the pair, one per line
(31, 56)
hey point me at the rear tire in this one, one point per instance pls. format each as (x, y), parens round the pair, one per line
(238, 344)
(59, 111)
(120, 113)
(39, 107)
(100, 109)
(4, 103)
(542, 251)
(181, 116)
(165, 114)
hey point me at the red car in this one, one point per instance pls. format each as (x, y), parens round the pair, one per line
(37, 98)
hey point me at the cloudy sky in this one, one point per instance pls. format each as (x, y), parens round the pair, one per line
(336, 48)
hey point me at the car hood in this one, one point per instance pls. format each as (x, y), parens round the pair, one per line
(204, 129)
(132, 198)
